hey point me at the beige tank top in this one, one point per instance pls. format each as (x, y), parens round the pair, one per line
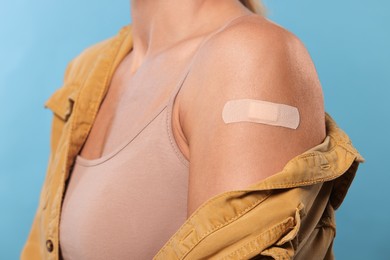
(129, 202)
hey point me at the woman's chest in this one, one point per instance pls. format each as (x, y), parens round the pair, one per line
(131, 102)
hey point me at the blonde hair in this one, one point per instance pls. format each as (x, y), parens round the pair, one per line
(255, 6)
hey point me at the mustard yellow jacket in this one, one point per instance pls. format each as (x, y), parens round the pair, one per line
(288, 215)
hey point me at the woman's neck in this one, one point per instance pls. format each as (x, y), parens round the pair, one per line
(159, 24)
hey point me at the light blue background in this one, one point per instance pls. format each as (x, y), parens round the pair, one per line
(348, 40)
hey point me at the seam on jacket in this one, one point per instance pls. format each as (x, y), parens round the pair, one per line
(331, 177)
(215, 228)
(284, 224)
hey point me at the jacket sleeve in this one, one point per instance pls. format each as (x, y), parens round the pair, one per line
(290, 215)
(259, 224)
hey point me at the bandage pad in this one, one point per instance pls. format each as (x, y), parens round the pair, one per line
(259, 111)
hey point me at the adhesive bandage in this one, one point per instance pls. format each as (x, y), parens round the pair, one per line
(258, 111)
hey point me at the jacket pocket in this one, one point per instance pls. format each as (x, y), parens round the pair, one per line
(61, 102)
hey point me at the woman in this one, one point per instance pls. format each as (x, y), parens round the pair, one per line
(191, 134)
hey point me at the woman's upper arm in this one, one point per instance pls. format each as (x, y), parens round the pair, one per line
(248, 61)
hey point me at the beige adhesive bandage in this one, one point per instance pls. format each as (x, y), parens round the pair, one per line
(258, 111)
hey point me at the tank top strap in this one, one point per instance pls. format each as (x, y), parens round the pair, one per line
(197, 51)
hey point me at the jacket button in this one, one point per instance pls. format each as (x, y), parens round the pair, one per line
(49, 245)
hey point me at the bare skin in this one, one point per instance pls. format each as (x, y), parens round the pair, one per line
(252, 58)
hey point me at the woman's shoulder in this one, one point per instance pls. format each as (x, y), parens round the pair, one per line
(256, 44)
(252, 35)
(255, 57)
